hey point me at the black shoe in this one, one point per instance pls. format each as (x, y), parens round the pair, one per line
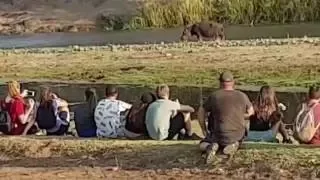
(211, 152)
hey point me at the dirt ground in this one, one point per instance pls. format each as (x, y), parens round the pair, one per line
(28, 16)
(69, 158)
(281, 66)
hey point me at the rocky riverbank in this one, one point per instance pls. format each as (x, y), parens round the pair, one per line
(25, 16)
(167, 46)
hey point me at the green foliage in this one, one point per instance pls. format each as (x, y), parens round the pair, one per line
(171, 13)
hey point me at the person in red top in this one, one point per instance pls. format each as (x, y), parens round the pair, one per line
(21, 111)
(314, 97)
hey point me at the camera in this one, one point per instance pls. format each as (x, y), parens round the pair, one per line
(31, 93)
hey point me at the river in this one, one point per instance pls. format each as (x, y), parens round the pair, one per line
(233, 32)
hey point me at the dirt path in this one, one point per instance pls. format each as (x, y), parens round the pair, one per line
(70, 158)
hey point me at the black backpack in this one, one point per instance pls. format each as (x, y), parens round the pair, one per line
(46, 118)
(5, 122)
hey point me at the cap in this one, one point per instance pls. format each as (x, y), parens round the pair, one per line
(226, 77)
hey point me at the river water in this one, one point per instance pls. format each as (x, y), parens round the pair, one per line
(151, 36)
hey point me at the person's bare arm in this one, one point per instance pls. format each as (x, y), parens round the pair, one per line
(186, 108)
(28, 127)
(250, 112)
(24, 117)
(202, 116)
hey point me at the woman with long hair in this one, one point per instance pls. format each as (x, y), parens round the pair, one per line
(135, 123)
(20, 109)
(53, 113)
(84, 115)
(268, 115)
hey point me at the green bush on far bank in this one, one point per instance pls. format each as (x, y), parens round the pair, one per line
(172, 13)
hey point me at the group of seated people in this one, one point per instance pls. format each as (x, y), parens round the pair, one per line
(22, 115)
(227, 118)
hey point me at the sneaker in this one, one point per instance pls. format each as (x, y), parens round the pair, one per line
(291, 140)
(231, 148)
(211, 152)
(279, 138)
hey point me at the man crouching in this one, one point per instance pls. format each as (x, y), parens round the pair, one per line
(228, 109)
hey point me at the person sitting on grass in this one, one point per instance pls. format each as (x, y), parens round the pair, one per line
(268, 118)
(228, 110)
(165, 118)
(136, 120)
(312, 104)
(21, 110)
(107, 115)
(53, 114)
(84, 115)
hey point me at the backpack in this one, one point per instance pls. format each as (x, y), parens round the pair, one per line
(304, 126)
(5, 122)
(46, 118)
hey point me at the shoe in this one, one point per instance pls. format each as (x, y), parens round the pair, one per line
(231, 148)
(194, 136)
(211, 152)
(291, 140)
(279, 138)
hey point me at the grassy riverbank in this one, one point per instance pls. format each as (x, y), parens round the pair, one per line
(121, 159)
(286, 65)
(171, 13)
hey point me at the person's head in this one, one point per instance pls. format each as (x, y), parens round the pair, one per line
(91, 99)
(163, 91)
(148, 98)
(14, 89)
(226, 81)
(89, 93)
(45, 96)
(111, 91)
(267, 97)
(314, 93)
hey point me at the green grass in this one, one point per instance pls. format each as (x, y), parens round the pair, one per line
(280, 66)
(171, 13)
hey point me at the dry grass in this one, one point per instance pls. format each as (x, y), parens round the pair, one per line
(168, 159)
(288, 65)
(170, 13)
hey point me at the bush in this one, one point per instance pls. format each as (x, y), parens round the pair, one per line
(172, 13)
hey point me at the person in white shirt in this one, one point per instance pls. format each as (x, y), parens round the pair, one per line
(108, 115)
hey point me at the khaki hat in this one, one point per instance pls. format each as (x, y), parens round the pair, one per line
(226, 77)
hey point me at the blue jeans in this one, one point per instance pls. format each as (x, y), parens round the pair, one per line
(265, 136)
(88, 133)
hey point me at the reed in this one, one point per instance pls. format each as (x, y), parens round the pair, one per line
(172, 13)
